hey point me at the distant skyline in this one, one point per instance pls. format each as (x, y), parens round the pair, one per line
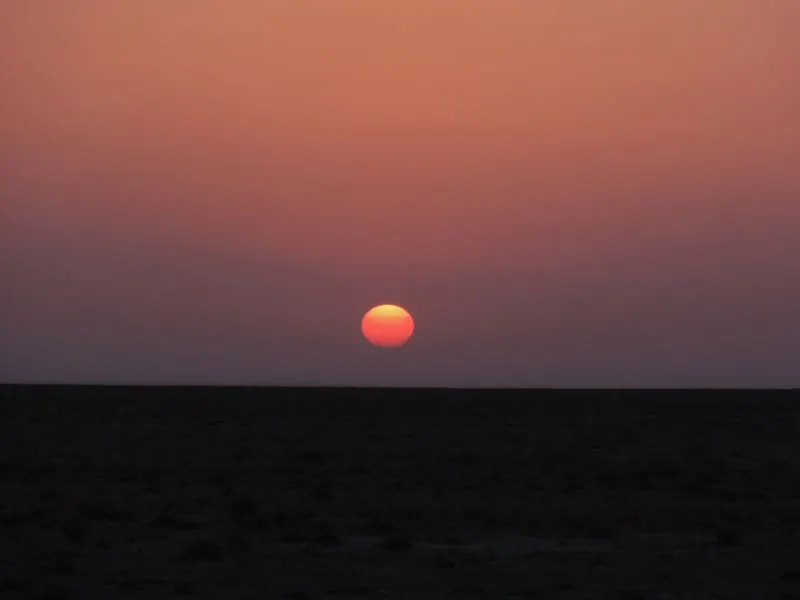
(562, 193)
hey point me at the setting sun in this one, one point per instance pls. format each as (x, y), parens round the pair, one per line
(387, 326)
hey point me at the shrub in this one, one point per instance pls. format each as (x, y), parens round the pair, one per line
(203, 550)
(55, 591)
(396, 544)
(729, 537)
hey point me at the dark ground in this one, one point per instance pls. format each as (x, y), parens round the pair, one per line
(334, 493)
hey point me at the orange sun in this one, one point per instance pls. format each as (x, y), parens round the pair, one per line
(387, 326)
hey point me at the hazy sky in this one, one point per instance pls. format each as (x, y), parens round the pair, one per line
(562, 192)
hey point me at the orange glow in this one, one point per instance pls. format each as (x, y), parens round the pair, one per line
(387, 326)
(577, 193)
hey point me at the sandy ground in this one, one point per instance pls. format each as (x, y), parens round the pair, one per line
(114, 493)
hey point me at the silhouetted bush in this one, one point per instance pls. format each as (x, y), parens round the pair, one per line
(203, 550)
(55, 591)
(75, 532)
(396, 544)
(790, 575)
(184, 588)
(729, 537)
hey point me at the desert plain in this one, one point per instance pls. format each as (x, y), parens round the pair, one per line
(323, 493)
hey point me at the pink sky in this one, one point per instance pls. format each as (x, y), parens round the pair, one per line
(561, 192)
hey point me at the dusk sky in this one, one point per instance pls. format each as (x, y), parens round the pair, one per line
(562, 193)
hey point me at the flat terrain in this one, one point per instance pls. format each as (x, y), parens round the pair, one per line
(337, 493)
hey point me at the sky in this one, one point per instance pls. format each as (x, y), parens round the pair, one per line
(562, 193)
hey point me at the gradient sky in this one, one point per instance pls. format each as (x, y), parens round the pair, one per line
(562, 192)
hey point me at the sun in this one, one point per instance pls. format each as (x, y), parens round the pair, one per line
(387, 326)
